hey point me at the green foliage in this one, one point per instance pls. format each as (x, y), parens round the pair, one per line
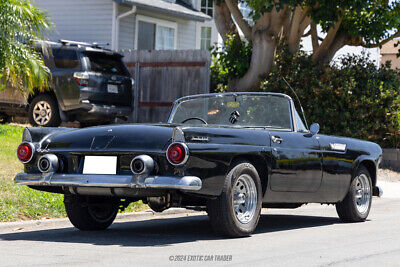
(231, 62)
(21, 23)
(352, 98)
(372, 20)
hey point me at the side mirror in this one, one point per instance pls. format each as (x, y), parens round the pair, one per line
(314, 128)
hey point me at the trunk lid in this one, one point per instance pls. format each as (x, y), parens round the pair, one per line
(113, 138)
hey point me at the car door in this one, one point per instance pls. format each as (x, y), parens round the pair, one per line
(297, 158)
(297, 162)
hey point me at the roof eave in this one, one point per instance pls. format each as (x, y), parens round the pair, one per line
(200, 18)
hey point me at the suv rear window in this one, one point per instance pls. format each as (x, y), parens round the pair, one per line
(65, 58)
(106, 64)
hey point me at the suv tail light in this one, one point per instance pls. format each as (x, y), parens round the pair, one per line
(82, 78)
(177, 154)
(25, 152)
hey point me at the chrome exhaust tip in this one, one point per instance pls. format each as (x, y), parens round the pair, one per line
(48, 163)
(142, 164)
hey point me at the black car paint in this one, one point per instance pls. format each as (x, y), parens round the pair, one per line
(302, 168)
(212, 160)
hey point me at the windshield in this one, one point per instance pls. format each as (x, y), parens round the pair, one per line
(234, 110)
(107, 64)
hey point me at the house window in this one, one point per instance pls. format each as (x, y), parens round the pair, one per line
(246, 12)
(165, 38)
(207, 7)
(154, 36)
(146, 37)
(205, 39)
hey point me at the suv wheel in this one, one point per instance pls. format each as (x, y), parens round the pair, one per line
(43, 111)
(4, 118)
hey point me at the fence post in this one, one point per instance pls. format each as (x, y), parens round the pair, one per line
(136, 92)
(207, 78)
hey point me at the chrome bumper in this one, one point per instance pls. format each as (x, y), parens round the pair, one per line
(191, 183)
(377, 191)
(108, 109)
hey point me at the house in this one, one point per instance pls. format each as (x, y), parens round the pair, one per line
(133, 24)
(389, 53)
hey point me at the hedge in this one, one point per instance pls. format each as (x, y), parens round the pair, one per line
(350, 98)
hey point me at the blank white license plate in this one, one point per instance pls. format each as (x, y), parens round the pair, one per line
(100, 165)
(112, 88)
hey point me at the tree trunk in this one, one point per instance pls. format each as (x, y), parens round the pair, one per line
(262, 58)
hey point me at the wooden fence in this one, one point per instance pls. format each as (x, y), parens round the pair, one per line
(163, 76)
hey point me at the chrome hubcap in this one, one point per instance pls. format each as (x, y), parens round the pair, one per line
(244, 198)
(362, 193)
(42, 113)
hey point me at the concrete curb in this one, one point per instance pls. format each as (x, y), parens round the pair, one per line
(54, 223)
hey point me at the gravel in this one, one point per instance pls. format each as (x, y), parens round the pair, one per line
(388, 175)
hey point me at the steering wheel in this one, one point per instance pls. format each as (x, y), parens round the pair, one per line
(195, 118)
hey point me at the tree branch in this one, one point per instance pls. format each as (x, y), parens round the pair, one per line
(314, 36)
(223, 20)
(237, 15)
(294, 28)
(308, 33)
(397, 34)
(327, 42)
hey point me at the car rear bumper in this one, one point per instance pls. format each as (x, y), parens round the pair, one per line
(191, 183)
(107, 110)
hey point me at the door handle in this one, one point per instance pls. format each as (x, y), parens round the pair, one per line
(276, 139)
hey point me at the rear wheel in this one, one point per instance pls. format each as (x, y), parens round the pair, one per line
(89, 214)
(356, 205)
(235, 213)
(43, 111)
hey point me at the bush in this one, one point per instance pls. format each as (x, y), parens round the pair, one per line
(231, 62)
(352, 98)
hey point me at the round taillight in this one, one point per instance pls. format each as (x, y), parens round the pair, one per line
(25, 152)
(177, 153)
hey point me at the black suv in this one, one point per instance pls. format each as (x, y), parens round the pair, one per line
(89, 84)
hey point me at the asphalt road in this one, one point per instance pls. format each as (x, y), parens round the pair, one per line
(308, 236)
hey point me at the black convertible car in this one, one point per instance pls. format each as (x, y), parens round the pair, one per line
(230, 154)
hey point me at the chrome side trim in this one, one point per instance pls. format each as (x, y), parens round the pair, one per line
(338, 147)
(192, 183)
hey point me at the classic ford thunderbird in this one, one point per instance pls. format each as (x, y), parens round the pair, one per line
(229, 154)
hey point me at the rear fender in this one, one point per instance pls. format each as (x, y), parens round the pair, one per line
(35, 134)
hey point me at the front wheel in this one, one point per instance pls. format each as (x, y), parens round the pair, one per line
(356, 205)
(235, 213)
(90, 213)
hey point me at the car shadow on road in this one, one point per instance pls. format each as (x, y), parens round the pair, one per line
(163, 232)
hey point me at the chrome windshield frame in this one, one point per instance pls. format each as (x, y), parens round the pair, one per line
(185, 98)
